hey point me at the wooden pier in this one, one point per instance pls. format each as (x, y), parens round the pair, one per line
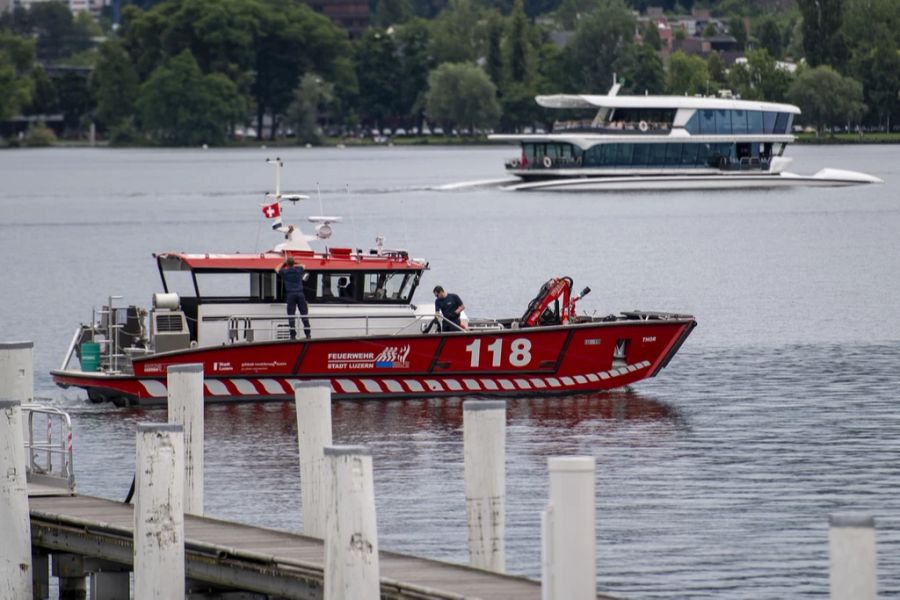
(221, 556)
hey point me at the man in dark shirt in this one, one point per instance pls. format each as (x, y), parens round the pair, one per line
(450, 306)
(292, 277)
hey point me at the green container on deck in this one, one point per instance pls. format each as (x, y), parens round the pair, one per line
(90, 356)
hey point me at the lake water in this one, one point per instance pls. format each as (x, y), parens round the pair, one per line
(714, 480)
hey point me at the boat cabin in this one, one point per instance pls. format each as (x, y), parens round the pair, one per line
(230, 297)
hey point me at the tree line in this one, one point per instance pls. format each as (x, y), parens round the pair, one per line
(188, 72)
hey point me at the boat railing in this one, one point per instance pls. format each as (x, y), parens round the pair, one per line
(48, 445)
(247, 328)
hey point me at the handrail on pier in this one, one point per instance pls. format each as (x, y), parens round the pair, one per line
(48, 446)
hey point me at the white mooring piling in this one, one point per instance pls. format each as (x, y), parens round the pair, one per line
(15, 520)
(854, 559)
(484, 450)
(158, 513)
(351, 540)
(185, 383)
(16, 371)
(313, 403)
(569, 563)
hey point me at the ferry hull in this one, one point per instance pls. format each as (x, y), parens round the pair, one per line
(564, 359)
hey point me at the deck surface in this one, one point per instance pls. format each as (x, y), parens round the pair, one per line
(233, 554)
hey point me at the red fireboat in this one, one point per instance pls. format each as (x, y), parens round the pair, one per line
(227, 313)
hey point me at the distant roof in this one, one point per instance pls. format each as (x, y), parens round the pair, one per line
(695, 102)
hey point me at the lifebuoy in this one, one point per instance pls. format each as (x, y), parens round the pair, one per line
(547, 162)
(643, 126)
(514, 163)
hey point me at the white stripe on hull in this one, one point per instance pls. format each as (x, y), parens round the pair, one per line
(278, 387)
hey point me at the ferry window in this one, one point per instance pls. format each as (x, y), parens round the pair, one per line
(769, 121)
(755, 121)
(657, 154)
(781, 123)
(623, 154)
(673, 154)
(641, 155)
(739, 122)
(689, 154)
(703, 153)
(723, 122)
(693, 124)
(707, 121)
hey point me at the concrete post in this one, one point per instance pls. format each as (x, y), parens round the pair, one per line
(351, 541)
(313, 400)
(185, 383)
(569, 562)
(854, 559)
(15, 520)
(484, 450)
(16, 371)
(158, 513)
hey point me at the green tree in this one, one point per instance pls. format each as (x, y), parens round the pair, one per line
(379, 73)
(44, 97)
(412, 40)
(738, 31)
(650, 35)
(462, 95)
(453, 33)
(687, 74)
(643, 71)
(760, 78)
(827, 98)
(519, 44)
(715, 66)
(599, 46)
(823, 39)
(494, 62)
(392, 12)
(115, 83)
(768, 34)
(312, 96)
(58, 34)
(879, 69)
(75, 102)
(179, 105)
(16, 61)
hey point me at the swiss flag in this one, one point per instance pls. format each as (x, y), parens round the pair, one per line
(272, 211)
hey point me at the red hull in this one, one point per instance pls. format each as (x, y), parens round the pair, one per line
(562, 359)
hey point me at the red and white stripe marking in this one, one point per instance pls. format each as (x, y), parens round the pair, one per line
(282, 386)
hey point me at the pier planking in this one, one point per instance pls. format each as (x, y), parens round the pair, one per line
(237, 556)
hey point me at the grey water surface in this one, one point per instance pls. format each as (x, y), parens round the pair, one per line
(714, 480)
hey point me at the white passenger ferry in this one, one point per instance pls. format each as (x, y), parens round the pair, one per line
(617, 142)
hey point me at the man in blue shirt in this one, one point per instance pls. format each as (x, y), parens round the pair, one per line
(450, 306)
(292, 277)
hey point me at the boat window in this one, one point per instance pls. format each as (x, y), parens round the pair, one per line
(755, 121)
(263, 285)
(623, 154)
(333, 287)
(703, 154)
(641, 155)
(689, 154)
(708, 121)
(739, 122)
(769, 121)
(389, 287)
(224, 284)
(179, 282)
(723, 122)
(673, 154)
(781, 123)
(657, 155)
